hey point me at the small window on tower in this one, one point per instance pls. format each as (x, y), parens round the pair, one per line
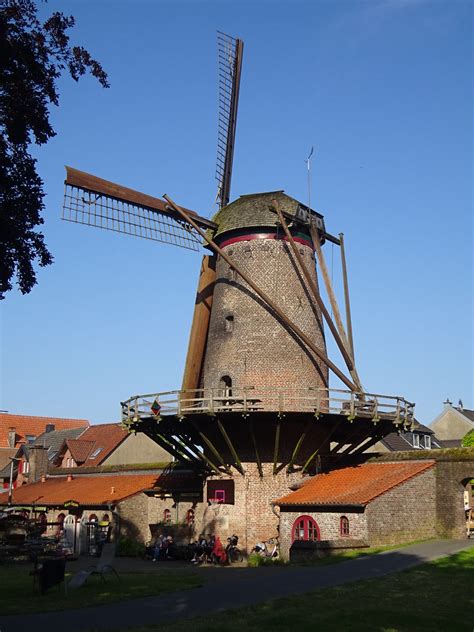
(229, 323)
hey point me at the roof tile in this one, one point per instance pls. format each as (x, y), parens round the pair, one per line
(354, 485)
(86, 490)
(30, 425)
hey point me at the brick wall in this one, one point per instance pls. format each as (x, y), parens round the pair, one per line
(405, 513)
(252, 517)
(453, 469)
(259, 351)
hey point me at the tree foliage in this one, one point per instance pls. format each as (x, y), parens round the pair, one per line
(33, 55)
(468, 440)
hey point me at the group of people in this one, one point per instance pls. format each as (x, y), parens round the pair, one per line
(203, 550)
(164, 548)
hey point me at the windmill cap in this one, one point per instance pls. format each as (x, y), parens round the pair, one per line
(254, 210)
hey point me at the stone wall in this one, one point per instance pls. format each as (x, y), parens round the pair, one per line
(328, 523)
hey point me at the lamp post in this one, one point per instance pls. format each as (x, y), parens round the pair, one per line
(10, 487)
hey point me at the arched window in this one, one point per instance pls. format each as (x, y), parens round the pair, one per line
(190, 517)
(344, 526)
(105, 518)
(93, 518)
(305, 528)
(167, 516)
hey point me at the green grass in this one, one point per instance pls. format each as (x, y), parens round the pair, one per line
(435, 597)
(17, 594)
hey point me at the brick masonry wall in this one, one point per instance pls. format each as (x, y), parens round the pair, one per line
(405, 513)
(451, 479)
(251, 517)
(259, 351)
(453, 469)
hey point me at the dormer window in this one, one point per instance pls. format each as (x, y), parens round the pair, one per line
(416, 440)
(427, 440)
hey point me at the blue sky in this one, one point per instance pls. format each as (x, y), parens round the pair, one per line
(382, 89)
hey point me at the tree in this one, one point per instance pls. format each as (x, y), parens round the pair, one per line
(468, 440)
(33, 55)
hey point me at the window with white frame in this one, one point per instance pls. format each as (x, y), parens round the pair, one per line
(427, 439)
(416, 440)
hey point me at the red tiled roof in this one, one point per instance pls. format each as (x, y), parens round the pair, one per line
(30, 425)
(86, 490)
(354, 485)
(79, 449)
(105, 436)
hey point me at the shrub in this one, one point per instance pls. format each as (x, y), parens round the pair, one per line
(130, 548)
(468, 440)
(255, 560)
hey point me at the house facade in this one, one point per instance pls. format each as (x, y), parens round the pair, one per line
(453, 423)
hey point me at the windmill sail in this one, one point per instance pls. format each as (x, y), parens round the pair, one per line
(96, 202)
(230, 52)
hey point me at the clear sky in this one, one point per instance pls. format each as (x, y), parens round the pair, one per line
(382, 89)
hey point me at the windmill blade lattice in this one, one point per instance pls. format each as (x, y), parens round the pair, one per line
(230, 52)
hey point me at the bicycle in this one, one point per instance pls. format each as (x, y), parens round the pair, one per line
(234, 554)
(269, 548)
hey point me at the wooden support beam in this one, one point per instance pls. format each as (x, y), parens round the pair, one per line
(314, 290)
(368, 444)
(309, 343)
(254, 441)
(213, 449)
(332, 297)
(346, 297)
(297, 448)
(276, 447)
(321, 447)
(200, 324)
(197, 454)
(347, 439)
(230, 445)
(169, 447)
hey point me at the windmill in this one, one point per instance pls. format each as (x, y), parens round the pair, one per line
(255, 393)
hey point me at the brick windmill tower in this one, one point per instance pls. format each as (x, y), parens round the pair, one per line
(255, 412)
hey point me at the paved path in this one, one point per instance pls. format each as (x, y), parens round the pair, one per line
(232, 588)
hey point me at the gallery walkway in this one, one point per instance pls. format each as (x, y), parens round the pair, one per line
(232, 588)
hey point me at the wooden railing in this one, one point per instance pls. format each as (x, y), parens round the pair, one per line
(317, 401)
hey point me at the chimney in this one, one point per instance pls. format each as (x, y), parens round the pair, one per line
(43, 478)
(11, 437)
(112, 490)
(38, 458)
(69, 478)
(50, 427)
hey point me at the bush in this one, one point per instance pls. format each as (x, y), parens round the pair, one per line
(468, 440)
(130, 548)
(255, 560)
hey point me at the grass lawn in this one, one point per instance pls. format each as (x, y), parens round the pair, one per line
(438, 596)
(17, 594)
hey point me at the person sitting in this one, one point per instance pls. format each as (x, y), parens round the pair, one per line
(157, 551)
(218, 551)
